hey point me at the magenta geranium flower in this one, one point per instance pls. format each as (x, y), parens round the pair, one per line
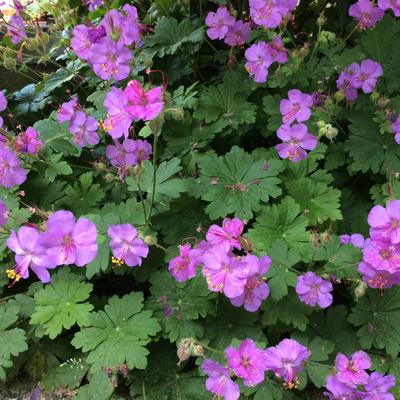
(339, 391)
(382, 255)
(218, 23)
(70, 241)
(225, 273)
(16, 29)
(219, 381)
(68, 110)
(119, 29)
(378, 279)
(385, 222)
(256, 289)
(286, 360)
(110, 60)
(11, 172)
(270, 13)
(344, 84)
(296, 140)
(183, 267)
(247, 362)
(351, 370)
(378, 386)
(356, 239)
(28, 142)
(92, 4)
(30, 254)
(3, 213)
(84, 129)
(313, 290)
(396, 129)
(80, 42)
(393, 5)
(259, 59)
(118, 119)
(297, 107)
(238, 33)
(277, 50)
(3, 101)
(366, 13)
(126, 245)
(227, 236)
(365, 75)
(142, 104)
(122, 154)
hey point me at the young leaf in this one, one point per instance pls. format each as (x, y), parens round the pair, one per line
(61, 304)
(118, 334)
(237, 184)
(56, 168)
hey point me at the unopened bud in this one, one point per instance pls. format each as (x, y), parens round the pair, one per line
(100, 166)
(321, 20)
(183, 351)
(149, 240)
(359, 291)
(177, 113)
(374, 96)
(10, 64)
(339, 96)
(325, 237)
(30, 44)
(109, 178)
(196, 350)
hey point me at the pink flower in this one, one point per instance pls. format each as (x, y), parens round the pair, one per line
(218, 23)
(92, 4)
(247, 362)
(339, 391)
(3, 101)
(256, 289)
(225, 273)
(80, 42)
(3, 213)
(344, 84)
(365, 76)
(118, 119)
(259, 59)
(297, 107)
(385, 222)
(396, 129)
(365, 13)
(378, 279)
(28, 142)
(296, 141)
(84, 129)
(110, 60)
(144, 105)
(16, 29)
(356, 239)
(228, 236)
(393, 5)
(219, 381)
(70, 241)
(351, 371)
(277, 50)
(286, 360)
(126, 245)
(30, 254)
(270, 13)
(11, 173)
(68, 110)
(122, 154)
(378, 386)
(382, 255)
(238, 33)
(313, 290)
(183, 267)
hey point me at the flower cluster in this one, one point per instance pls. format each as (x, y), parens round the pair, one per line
(260, 56)
(221, 25)
(131, 104)
(249, 363)
(65, 241)
(82, 126)
(367, 14)
(271, 13)
(105, 46)
(296, 138)
(28, 142)
(240, 278)
(356, 76)
(351, 374)
(380, 265)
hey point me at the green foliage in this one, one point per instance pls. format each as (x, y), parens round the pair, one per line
(61, 304)
(118, 334)
(236, 183)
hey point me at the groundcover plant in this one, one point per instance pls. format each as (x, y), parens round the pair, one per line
(201, 199)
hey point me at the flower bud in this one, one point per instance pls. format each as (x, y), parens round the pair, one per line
(183, 351)
(325, 237)
(30, 44)
(196, 350)
(109, 177)
(339, 96)
(374, 96)
(10, 64)
(149, 240)
(177, 113)
(321, 20)
(100, 166)
(359, 291)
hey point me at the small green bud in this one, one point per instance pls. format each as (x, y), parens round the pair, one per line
(374, 96)
(339, 96)
(360, 289)
(109, 178)
(177, 113)
(321, 20)
(100, 166)
(149, 240)
(10, 64)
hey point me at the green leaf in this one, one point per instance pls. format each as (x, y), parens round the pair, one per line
(279, 275)
(317, 201)
(378, 316)
(82, 196)
(118, 334)
(169, 36)
(369, 149)
(61, 304)
(30, 99)
(167, 381)
(271, 107)
(100, 387)
(56, 168)
(57, 137)
(268, 391)
(236, 184)
(226, 103)
(12, 340)
(280, 221)
(320, 350)
(289, 310)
